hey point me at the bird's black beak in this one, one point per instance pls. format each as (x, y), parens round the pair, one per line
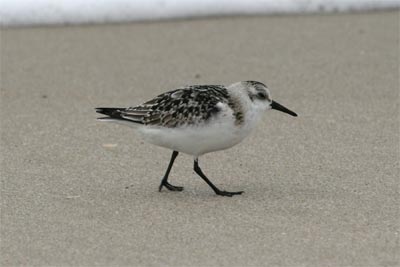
(277, 106)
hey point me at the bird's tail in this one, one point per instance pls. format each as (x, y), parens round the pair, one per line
(116, 115)
(112, 113)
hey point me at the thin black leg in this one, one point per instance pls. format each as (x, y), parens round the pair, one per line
(216, 190)
(164, 181)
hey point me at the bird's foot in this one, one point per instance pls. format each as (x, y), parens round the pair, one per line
(228, 194)
(170, 187)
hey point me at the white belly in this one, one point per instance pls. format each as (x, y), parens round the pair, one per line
(198, 140)
(193, 140)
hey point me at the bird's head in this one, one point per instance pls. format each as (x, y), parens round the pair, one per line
(261, 97)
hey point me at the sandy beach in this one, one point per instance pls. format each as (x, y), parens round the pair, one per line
(321, 189)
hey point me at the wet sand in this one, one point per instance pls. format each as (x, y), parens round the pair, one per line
(321, 189)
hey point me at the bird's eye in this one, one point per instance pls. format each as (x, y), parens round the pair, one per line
(262, 95)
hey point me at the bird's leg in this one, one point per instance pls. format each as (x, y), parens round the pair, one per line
(216, 190)
(164, 181)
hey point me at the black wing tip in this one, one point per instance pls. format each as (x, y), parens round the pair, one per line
(112, 112)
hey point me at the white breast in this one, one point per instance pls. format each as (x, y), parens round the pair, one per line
(219, 133)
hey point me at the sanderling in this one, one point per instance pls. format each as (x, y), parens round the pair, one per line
(198, 119)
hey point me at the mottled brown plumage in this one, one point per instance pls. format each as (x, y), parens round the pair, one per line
(184, 106)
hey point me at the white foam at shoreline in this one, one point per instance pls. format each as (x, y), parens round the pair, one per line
(33, 12)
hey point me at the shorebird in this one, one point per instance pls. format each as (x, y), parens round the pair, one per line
(198, 119)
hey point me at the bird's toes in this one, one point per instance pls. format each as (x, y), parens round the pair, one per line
(170, 187)
(229, 194)
(175, 188)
